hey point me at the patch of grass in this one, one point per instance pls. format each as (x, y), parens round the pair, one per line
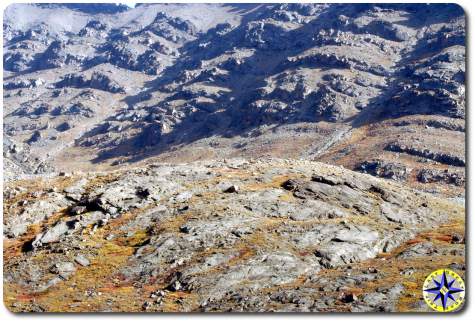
(138, 239)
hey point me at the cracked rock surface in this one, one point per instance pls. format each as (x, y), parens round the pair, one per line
(296, 236)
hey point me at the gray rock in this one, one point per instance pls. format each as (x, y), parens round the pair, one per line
(53, 234)
(35, 213)
(82, 260)
(390, 170)
(183, 196)
(76, 190)
(77, 210)
(430, 176)
(421, 249)
(63, 269)
(97, 81)
(266, 271)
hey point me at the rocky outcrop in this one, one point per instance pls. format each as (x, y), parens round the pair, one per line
(431, 176)
(17, 61)
(441, 157)
(276, 239)
(173, 29)
(389, 170)
(434, 84)
(30, 83)
(54, 56)
(97, 81)
(34, 213)
(94, 28)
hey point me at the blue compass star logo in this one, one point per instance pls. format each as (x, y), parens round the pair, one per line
(444, 290)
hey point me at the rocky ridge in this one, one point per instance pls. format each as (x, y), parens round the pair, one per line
(230, 80)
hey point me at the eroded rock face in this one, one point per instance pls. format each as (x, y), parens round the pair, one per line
(97, 81)
(453, 178)
(414, 149)
(177, 227)
(394, 171)
(34, 213)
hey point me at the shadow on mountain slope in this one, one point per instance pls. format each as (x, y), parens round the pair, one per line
(233, 116)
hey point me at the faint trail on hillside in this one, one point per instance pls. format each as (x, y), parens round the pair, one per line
(338, 136)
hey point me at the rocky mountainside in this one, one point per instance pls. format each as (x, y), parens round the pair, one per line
(256, 235)
(376, 88)
(214, 157)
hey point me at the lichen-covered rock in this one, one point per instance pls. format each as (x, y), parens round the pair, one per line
(34, 213)
(291, 224)
(390, 170)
